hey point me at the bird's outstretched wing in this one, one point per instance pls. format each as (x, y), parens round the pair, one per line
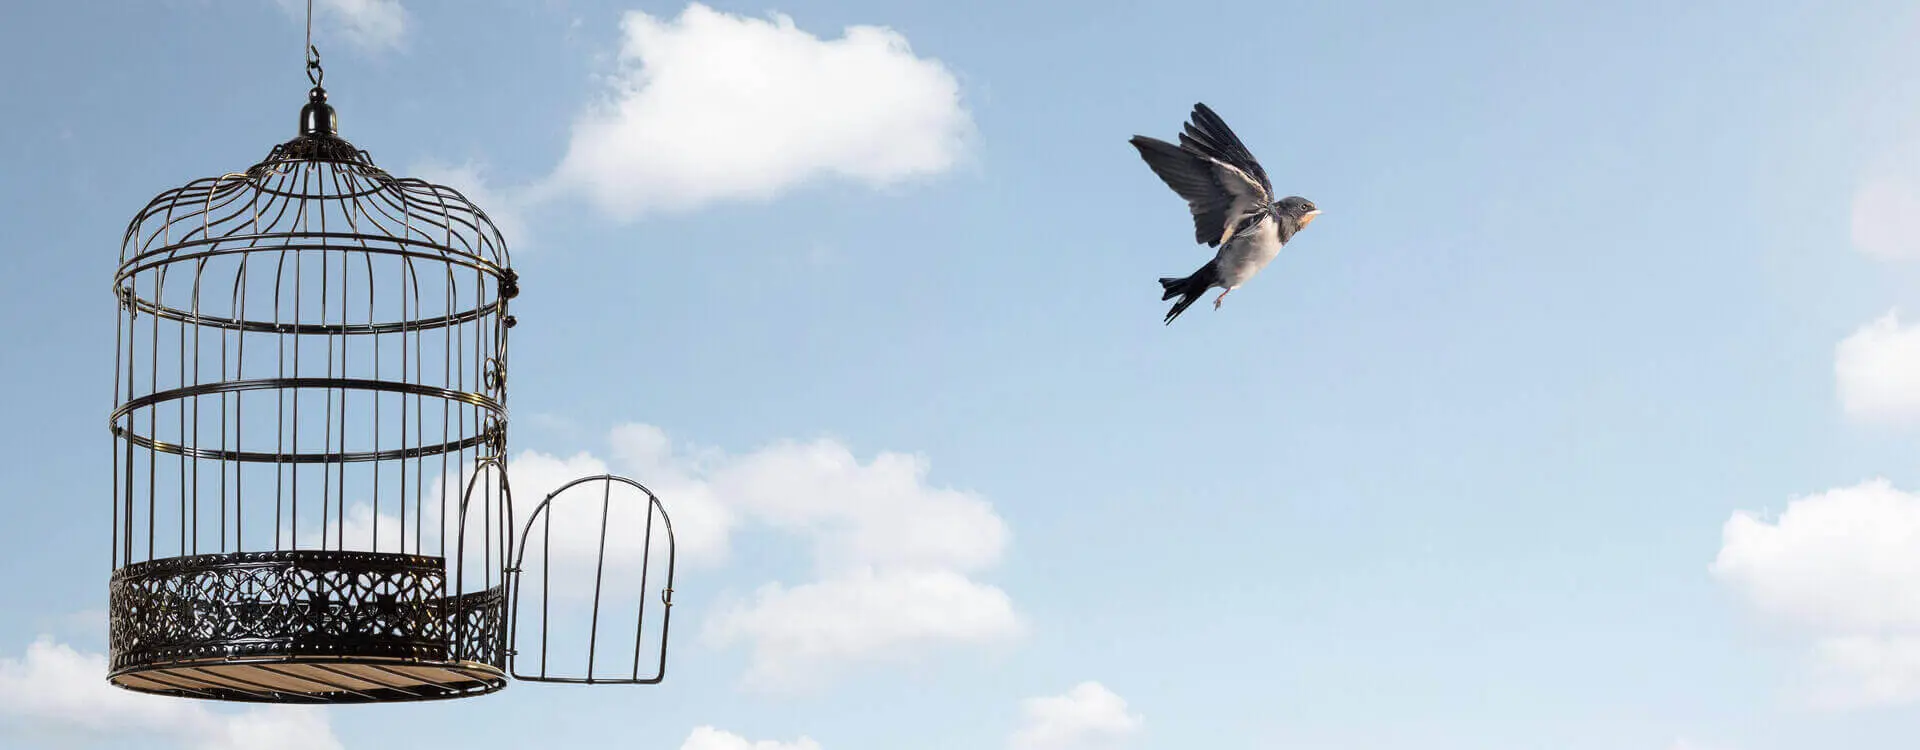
(1212, 170)
(1209, 135)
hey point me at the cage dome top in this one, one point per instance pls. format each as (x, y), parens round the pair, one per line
(318, 187)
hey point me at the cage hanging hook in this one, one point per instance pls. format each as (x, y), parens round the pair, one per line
(315, 73)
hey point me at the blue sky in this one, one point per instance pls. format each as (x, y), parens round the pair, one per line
(1559, 429)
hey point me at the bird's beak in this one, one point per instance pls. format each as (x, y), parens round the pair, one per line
(1308, 218)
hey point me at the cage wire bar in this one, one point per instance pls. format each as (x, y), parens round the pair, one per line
(310, 429)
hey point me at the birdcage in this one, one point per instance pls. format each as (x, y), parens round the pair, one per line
(311, 501)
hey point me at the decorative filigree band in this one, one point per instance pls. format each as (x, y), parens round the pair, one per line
(294, 603)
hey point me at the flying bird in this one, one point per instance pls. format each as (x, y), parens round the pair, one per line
(1232, 204)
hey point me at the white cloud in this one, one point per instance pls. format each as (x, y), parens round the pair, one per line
(1846, 559)
(859, 616)
(505, 207)
(58, 691)
(1088, 716)
(1877, 369)
(709, 738)
(892, 555)
(1842, 564)
(1886, 218)
(880, 513)
(712, 106)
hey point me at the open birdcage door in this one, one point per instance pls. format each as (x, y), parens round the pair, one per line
(582, 581)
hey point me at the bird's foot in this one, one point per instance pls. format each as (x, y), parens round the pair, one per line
(1219, 299)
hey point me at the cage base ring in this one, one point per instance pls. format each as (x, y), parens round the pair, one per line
(314, 680)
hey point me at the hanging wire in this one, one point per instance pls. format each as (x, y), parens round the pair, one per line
(314, 72)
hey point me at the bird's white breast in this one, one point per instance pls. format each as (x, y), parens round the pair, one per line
(1249, 252)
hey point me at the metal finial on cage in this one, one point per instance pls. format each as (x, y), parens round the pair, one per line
(311, 502)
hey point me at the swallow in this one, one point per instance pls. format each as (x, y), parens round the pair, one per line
(1232, 204)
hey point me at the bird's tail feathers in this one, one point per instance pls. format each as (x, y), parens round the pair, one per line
(1188, 289)
(1172, 287)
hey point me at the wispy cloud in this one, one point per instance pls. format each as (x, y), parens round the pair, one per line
(504, 206)
(709, 738)
(1086, 717)
(370, 25)
(1877, 371)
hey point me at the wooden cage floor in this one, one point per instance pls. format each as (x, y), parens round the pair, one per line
(315, 680)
